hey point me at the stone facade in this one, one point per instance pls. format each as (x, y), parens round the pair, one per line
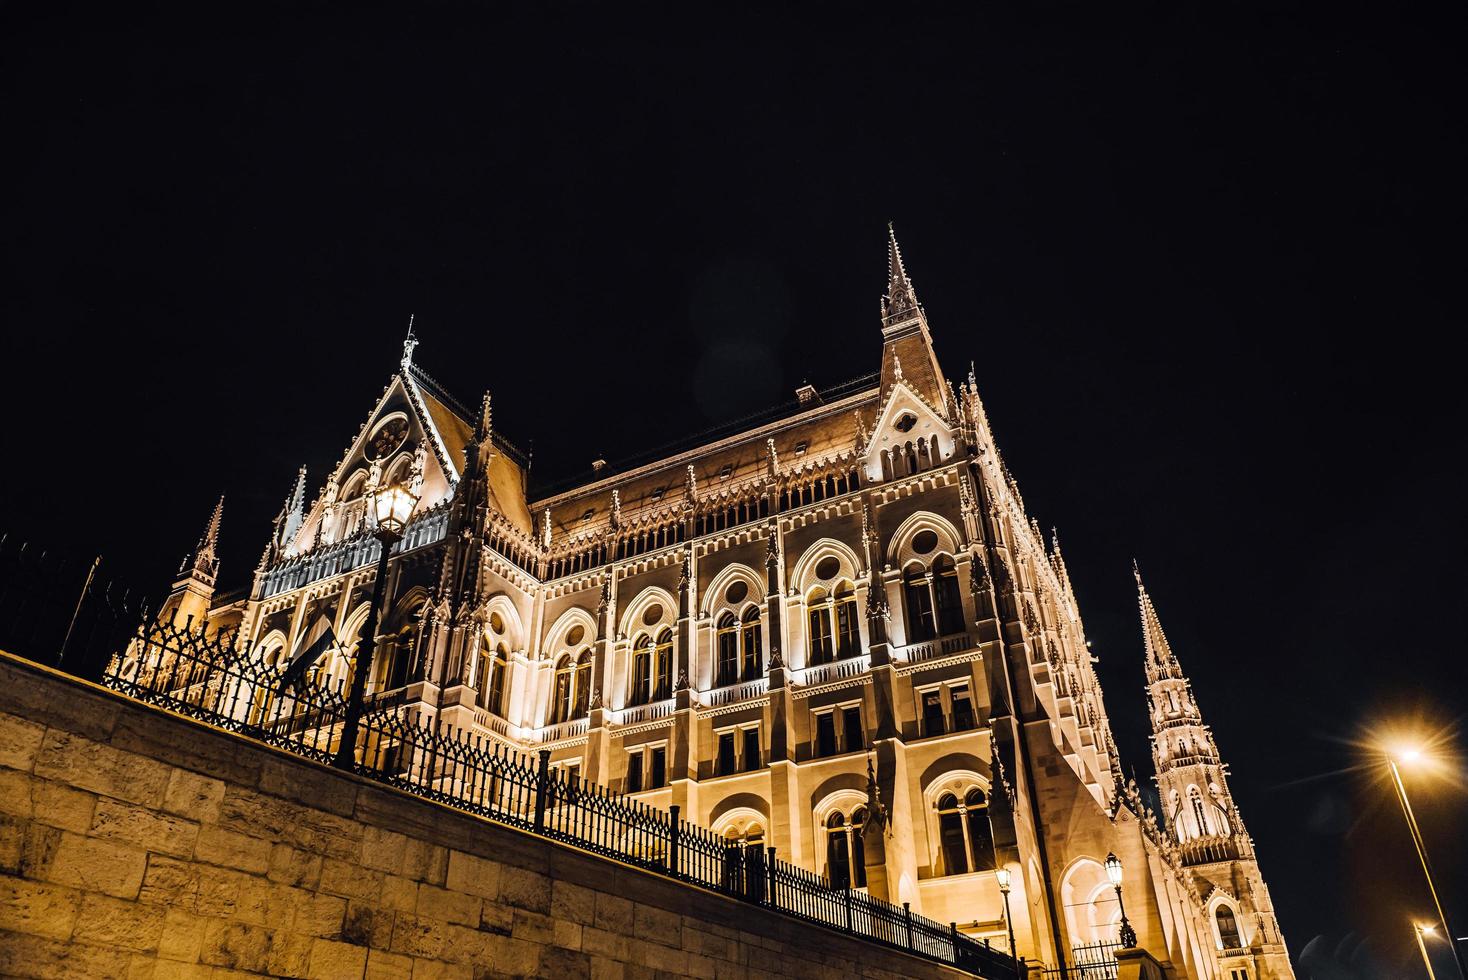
(743, 626)
(137, 844)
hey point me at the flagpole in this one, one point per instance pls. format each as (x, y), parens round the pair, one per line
(346, 753)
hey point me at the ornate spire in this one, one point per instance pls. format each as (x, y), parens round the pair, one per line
(1160, 659)
(545, 529)
(901, 299)
(690, 485)
(485, 427)
(1057, 560)
(204, 560)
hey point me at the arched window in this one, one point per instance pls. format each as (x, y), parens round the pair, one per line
(918, 605)
(848, 639)
(950, 836)
(947, 596)
(641, 671)
(822, 645)
(1228, 928)
(980, 832)
(565, 681)
(728, 650)
(1221, 812)
(662, 672)
(751, 656)
(1195, 800)
(494, 667)
(965, 836)
(845, 858)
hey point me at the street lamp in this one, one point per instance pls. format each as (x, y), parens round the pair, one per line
(1411, 755)
(1421, 930)
(1001, 875)
(393, 507)
(1113, 871)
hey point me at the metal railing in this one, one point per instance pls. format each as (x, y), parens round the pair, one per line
(1096, 961)
(208, 678)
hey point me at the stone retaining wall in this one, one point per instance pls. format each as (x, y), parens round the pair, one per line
(134, 843)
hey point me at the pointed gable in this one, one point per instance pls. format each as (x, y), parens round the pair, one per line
(909, 435)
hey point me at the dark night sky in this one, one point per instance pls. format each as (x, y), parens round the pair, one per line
(1201, 261)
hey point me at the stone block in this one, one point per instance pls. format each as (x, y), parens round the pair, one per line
(567, 934)
(455, 907)
(219, 891)
(465, 945)
(332, 960)
(84, 764)
(557, 963)
(322, 916)
(171, 884)
(495, 918)
(12, 844)
(614, 914)
(351, 880)
(20, 740)
(182, 937)
(399, 894)
(58, 805)
(290, 955)
(514, 957)
(382, 965)
(38, 909)
(525, 889)
(173, 970)
(367, 925)
(231, 850)
(111, 922)
(604, 942)
(603, 968)
(298, 869)
(702, 966)
(150, 829)
(413, 936)
(193, 796)
(250, 813)
(573, 903)
(663, 958)
(236, 946)
(15, 794)
(657, 925)
(382, 850)
(473, 875)
(108, 867)
(438, 970)
(319, 789)
(533, 927)
(23, 955)
(179, 742)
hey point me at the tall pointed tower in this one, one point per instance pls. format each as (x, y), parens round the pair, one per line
(907, 347)
(193, 591)
(1201, 816)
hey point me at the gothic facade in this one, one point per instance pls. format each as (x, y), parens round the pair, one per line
(751, 627)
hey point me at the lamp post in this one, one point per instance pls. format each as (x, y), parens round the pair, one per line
(1002, 876)
(392, 506)
(1409, 756)
(1113, 871)
(1420, 931)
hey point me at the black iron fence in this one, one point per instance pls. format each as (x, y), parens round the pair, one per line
(1096, 961)
(209, 678)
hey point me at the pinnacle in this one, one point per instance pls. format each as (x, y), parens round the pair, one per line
(900, 298)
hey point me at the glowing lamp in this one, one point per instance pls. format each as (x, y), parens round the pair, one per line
(1113, 870)
(393, 506)
(1001, 875)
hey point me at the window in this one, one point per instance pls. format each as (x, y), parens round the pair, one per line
(583, 685)
(845, 857)
(822, 649)
(728, 650)
(965, 837)
(825, 644)
(641, 671)
(848, 639)
(562, 698)
(493, 669)
(932, 712)
(634, 772)
(1228, 928)
(1196, 800)
(586, 517)
(800, 447)
(751, 758)
(918, 605)
(963, 708)
(662, 657)
(751, 659)
(852, 735)
(726, 471)
(725, 761)
(826, 733)
(905, 422)
(647, 768)
(572, 691)
(947, 596)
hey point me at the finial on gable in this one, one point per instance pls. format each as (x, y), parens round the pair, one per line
(409, 342)
(901, 298)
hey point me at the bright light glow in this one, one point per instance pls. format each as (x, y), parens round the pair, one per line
(1113, 870)
(1409, 755)
(393, 506)
(1428, 930)
(1001, 875)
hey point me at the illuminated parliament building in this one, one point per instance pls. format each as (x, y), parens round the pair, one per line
(746, 627)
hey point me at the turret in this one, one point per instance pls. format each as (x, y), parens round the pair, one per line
(907, 347)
